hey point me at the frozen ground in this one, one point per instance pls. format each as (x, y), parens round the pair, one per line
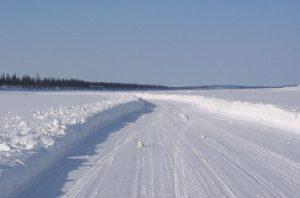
(225, 143)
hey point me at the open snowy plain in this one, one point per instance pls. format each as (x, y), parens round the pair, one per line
(218, 143)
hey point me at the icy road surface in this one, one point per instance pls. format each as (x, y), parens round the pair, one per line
(176, 149)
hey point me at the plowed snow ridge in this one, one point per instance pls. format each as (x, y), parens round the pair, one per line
(29, 145)
(267, 114)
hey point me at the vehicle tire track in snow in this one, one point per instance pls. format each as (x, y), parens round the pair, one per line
(85, 178)
(244, 170)
(223, 146)
(179, 166)
(182, 143)
(103, 160)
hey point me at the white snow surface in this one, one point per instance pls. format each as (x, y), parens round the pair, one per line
(285, 98)
(31, 141)
(266, 114)
(221, 143)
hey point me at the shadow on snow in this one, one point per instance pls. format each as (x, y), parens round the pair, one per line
(58, 174)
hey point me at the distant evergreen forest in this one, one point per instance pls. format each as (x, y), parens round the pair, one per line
(36, 82)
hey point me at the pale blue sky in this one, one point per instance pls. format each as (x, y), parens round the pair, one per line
(168, 42)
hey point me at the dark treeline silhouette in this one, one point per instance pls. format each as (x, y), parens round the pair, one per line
(36, 82)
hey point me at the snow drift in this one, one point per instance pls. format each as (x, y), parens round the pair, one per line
(31, 144)
(267, 114)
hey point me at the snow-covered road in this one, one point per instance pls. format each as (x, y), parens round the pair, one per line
(187, 152)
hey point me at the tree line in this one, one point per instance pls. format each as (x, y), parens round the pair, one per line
(36, 82)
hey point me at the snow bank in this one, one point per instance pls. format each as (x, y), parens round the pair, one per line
(267, 114)
(290, 88)
(30, 144)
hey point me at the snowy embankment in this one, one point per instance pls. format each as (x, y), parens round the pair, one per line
(31, 143)
(266, 114)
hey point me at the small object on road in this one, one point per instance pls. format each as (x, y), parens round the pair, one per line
(140, 144)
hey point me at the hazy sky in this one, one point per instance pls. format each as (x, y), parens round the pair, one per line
(168, 42)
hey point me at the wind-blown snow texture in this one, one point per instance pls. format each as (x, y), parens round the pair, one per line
(224, 143)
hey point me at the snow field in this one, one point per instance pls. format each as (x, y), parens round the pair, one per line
(191, 144)
(30, 143)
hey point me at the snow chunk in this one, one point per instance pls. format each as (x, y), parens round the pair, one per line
(4, 147)
(47, 141)
(140, 144)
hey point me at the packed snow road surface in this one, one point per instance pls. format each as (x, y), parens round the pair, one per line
(176, 149)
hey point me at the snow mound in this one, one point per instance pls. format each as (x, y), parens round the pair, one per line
(290, 88)
(267, 114)
(29, 144)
